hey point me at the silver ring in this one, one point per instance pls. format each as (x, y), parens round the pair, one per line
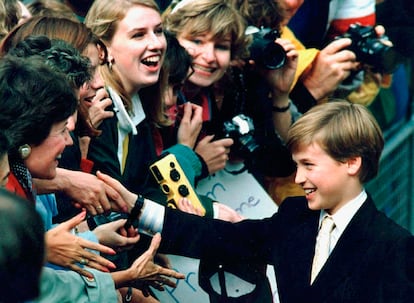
(83, 261)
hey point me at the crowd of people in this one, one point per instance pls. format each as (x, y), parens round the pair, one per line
(95, 92)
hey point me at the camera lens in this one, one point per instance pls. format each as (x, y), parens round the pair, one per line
(265, 51)
(183, 190)
(174, 175)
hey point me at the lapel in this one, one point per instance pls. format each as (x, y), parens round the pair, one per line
(351, 247)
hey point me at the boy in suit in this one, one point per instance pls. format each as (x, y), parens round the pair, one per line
(336, 147)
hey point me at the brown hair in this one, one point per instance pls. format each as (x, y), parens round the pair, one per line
(217, 17)
(343, 130)
(68, 30)
(260, 13)
(51, 8)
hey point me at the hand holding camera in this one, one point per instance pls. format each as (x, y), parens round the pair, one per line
(173, 182)
(372, 50)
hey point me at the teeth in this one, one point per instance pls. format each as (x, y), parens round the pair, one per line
(210, 70)
(152, 60)
(309, 191)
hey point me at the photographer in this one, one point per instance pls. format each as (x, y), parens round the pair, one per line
(221, 93)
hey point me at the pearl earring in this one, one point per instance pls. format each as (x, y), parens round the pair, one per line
(25, 151)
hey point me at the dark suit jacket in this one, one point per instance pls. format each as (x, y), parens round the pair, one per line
(373, 260)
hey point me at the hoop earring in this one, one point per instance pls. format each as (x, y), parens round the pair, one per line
(24, 151)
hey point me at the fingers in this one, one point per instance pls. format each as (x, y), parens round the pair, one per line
(227, 142)
(96, 246)
(128, 197)
(379, 30)
(71, 223)
(171, 273)
(117, 203)
(95, 261)
(81, 271)
(206, 140)
(185, 205)
(337, 45)
(155, 243)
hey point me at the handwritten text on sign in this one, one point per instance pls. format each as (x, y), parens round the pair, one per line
(245, 195)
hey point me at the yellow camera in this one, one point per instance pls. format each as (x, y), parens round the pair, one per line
(173, 182)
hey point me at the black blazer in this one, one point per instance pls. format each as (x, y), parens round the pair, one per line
(373, 260)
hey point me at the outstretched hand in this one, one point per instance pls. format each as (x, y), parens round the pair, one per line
(144, 272)
(70, 251)
(115, 235)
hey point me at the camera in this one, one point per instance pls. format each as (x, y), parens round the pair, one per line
(263, 50)
(369, 49)
(173, 181)
(241, 129)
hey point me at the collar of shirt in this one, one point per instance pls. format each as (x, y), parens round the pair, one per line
(343, 216)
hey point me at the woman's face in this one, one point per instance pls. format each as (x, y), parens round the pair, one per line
(88, 91)
(211, 57)
(4, 170)
(43, 159)
(137, 48)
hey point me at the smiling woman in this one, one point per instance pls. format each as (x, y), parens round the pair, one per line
(37, 103)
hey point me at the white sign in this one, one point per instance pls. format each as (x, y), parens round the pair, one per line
(244, 194)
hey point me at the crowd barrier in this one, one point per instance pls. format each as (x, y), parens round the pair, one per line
(393, 188)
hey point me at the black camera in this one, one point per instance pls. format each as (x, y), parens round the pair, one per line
(369, 49)
(263, 50)
(241, 130)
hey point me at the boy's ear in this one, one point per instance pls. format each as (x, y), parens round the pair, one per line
(354, 165)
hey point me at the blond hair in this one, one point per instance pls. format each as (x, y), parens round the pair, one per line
(103, 18)
(343, 130)
(217, 17)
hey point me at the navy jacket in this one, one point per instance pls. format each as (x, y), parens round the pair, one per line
(373, 260)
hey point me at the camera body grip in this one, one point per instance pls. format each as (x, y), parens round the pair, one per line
(173, 182)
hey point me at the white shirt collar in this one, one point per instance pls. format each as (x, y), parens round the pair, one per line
(127, 120)
(343, 216)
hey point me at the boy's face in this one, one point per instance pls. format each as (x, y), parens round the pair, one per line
(328, 183)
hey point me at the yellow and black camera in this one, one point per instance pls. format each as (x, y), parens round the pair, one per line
(173, 182)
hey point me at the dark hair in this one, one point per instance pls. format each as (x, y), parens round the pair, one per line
(4, 144)
(59, 55)
(21, 249)
(260, 13)
(177, 60)
(33, 98)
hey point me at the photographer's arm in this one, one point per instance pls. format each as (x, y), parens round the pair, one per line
(280, 81)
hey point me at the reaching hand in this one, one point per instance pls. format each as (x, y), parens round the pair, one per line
(185, 205)
(214, 153)
(68, 250)
(144, 272)
(120, 192)
(97, 106)
(86, 190)
(114, 234)
(226, 213)
(190, 124)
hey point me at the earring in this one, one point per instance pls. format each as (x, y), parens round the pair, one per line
(25, 151)
(110, 65)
